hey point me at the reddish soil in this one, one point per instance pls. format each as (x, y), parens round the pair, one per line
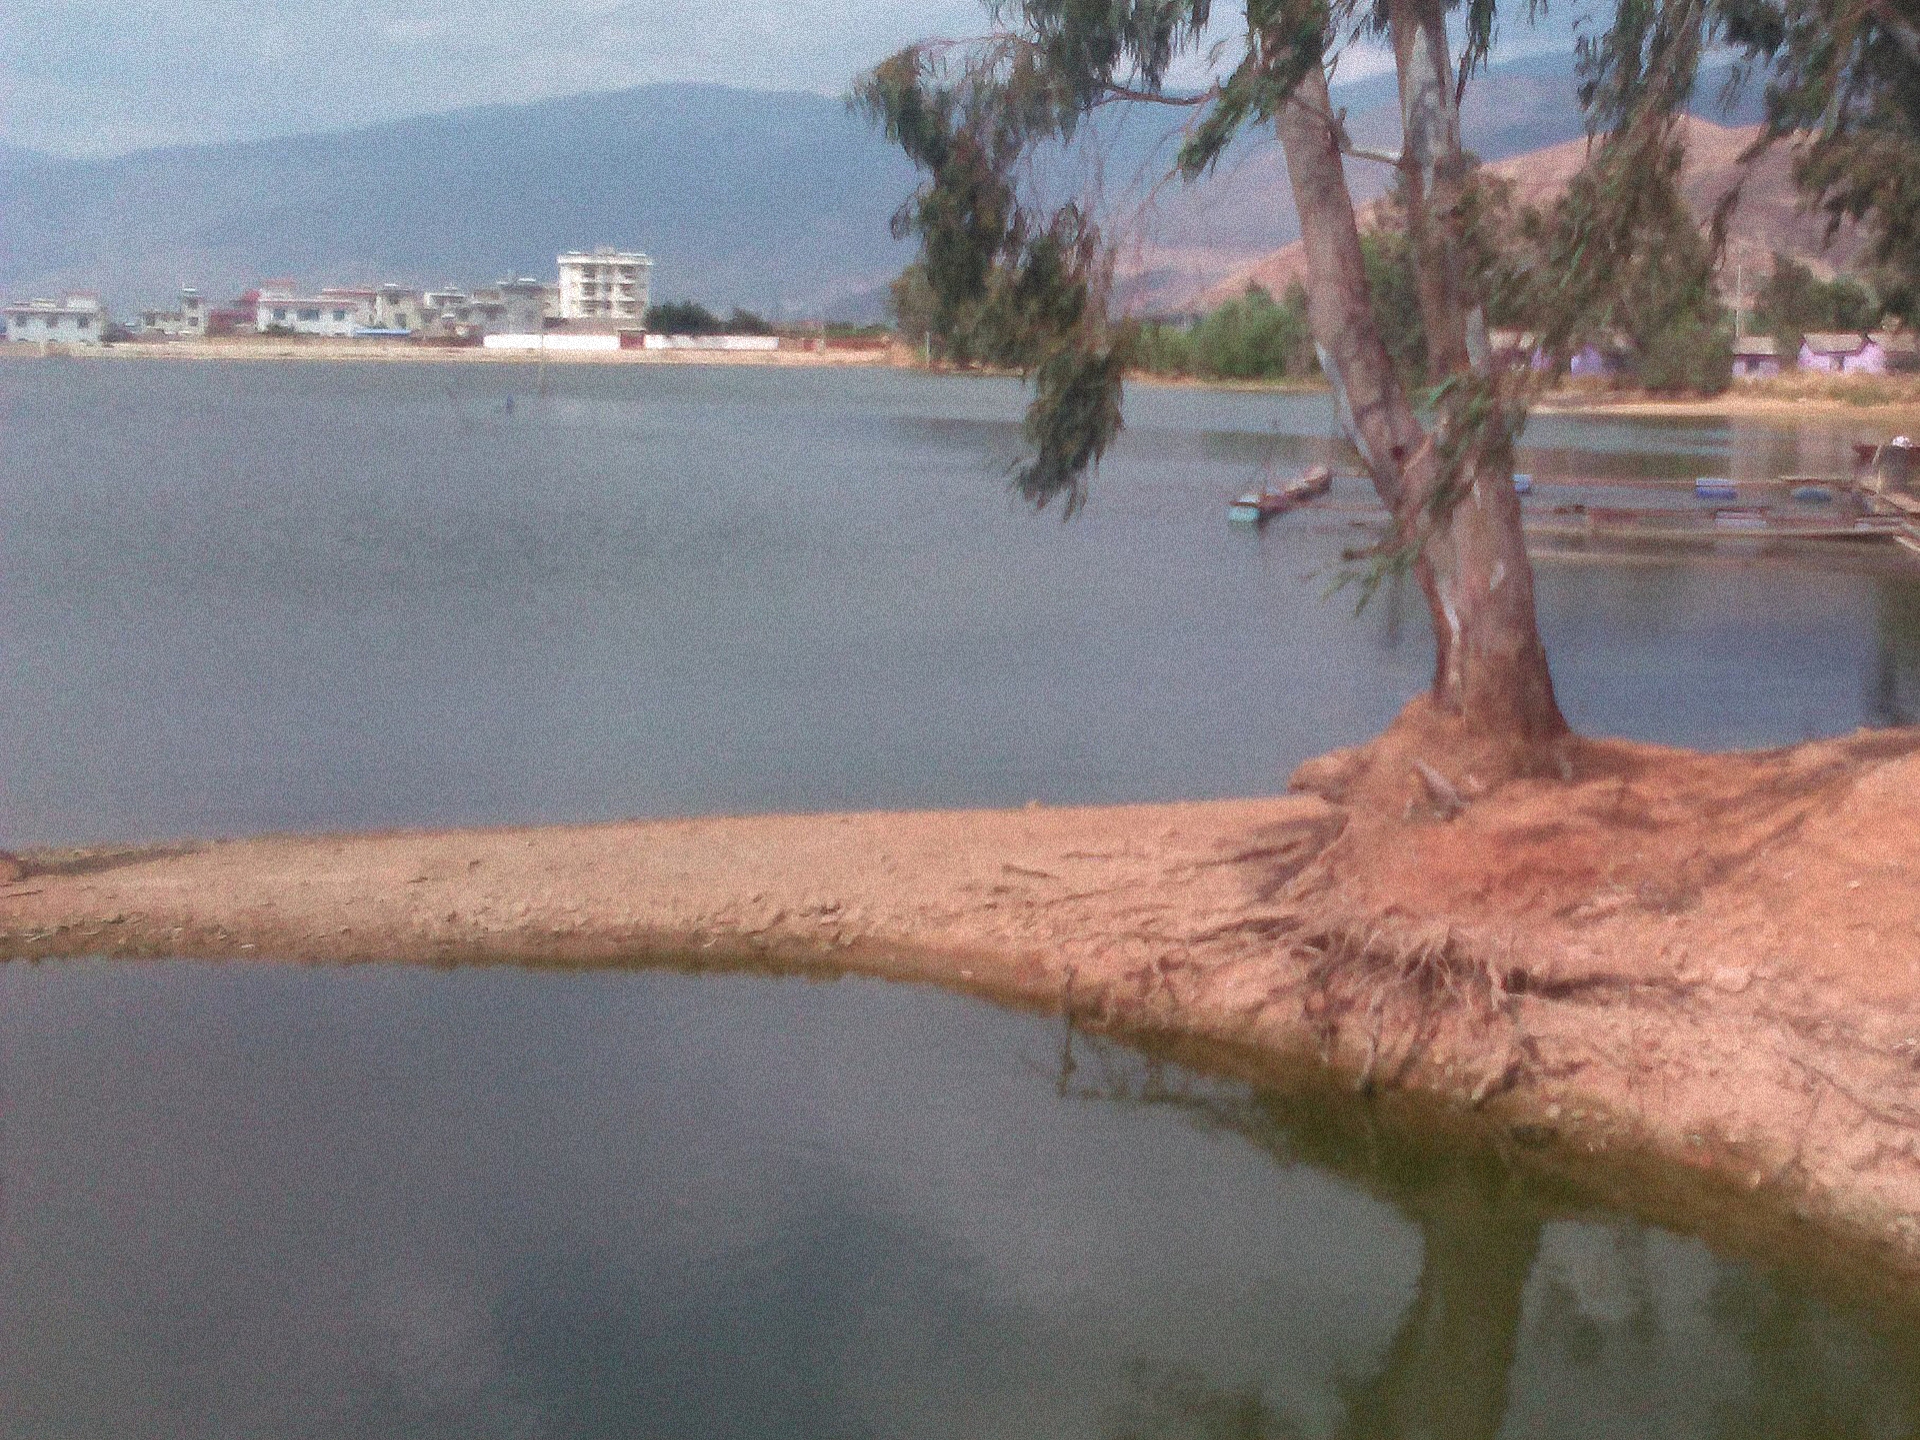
(1715, 957)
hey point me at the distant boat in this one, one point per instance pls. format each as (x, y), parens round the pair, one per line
(1523, 484)
(1712, 487)
(1256, 507)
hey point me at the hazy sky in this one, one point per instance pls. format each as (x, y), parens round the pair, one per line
(100, 76)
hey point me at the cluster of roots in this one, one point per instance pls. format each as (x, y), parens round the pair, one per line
(1393, 997)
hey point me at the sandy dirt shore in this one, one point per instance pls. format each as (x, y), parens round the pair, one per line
(1714, 960)
(1870, 403)
(386, 352)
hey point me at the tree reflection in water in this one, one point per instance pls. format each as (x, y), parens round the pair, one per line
(1800, 1368)
(1893, 690)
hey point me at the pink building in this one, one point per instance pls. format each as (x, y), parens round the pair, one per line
(1756, 357)
(1832, 354)
(1901, 350)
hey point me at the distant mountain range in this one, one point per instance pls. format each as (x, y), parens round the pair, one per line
(775, 201)
(749, 197)
(1769, 218)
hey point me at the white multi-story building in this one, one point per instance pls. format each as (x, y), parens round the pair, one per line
(397, 307)
(336, 311)
(74, 319)
(607, 284)
(189, 321)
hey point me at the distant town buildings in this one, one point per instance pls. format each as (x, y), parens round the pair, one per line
(507, 307)
(76, 318)
(605, 284)
(1841, 354)
(442, 313)
(1756, 357)
(1610, 355)
(188, 320)
(336, 312)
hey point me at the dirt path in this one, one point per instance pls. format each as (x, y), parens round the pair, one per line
(1715, 957)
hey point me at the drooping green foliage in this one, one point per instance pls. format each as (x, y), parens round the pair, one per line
(1008, 277)
(910, 306)
(1845, 79)
(1007, 281)
(1647, 290)
(1394, 291)
(1794, 301)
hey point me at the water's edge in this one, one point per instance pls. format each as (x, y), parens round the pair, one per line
(1548, 1127)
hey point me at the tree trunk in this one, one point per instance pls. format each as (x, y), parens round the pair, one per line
(1434, 177)
(1372, 403)
(1489, 665)
(1490, 668)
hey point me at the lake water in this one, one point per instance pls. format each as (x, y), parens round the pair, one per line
(289, 596)
(388, 1201)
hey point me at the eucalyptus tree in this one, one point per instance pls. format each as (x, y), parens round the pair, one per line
(1845, 89)
(1437, 445)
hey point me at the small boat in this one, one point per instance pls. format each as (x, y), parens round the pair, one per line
(1522, 484)
(1750, 517)
(1256, 507)
(1813, 494)
(1714, 487)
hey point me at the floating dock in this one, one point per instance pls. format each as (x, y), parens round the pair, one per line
(1817, 510)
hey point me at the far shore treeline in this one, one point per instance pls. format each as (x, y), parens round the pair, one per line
(1675, 329)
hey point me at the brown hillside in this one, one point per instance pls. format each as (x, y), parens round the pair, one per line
(1770, 216)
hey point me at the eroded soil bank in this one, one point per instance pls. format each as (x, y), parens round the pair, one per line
(1716, 958)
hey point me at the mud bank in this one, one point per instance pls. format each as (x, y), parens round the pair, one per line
(1866, 403)
(387, 352)
(1710, 959)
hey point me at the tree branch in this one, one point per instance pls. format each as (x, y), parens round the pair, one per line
(1361, 152)
(1337, 124)
(1153, 97)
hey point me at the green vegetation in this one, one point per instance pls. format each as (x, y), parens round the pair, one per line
(1259, 338)
(683, 317)
(1661, 309)
(1252, 338)
(745, 322)
(689, 317)
(1795, 301)
(1692, 353)
(1844, 83)
(1656, 304)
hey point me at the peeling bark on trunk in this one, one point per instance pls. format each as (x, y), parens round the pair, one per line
(1489, 665)
(1434, 176)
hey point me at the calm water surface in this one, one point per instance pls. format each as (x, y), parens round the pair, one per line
(383, 1202)
(260, 596)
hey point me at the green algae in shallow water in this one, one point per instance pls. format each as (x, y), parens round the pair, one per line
(477, 1202)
